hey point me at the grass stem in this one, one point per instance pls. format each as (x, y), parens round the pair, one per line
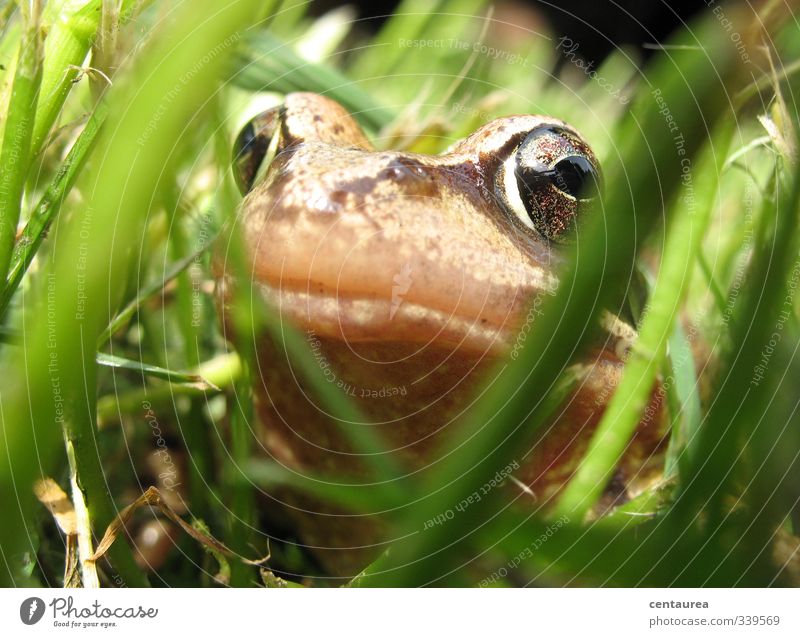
(15, 153)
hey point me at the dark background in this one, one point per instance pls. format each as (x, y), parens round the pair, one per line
(599, 25)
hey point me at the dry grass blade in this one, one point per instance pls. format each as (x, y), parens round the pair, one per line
(152, 497)
(72, 570)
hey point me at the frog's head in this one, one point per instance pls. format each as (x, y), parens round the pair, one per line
(364, 245)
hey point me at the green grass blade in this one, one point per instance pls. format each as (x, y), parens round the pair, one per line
(125, 315)
(352, 496)
(269, 65)
(68, 42)
(688, 226)
(15, 152)
(743, 473)
(191, 379)
(144, 369)
(49, 205)
(220, 372)
(683, 391)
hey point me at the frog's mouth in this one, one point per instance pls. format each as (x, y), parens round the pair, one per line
(369, 318)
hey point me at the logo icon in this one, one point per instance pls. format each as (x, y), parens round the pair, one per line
(31, 610)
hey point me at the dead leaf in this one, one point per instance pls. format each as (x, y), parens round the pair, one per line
(152, 497)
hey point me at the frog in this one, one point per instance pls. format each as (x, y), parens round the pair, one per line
(411, 277)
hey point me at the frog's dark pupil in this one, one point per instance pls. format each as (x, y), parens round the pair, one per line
(573, 175)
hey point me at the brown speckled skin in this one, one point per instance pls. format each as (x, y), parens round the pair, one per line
(410, 282)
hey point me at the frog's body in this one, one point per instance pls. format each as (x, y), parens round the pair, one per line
(411, 277)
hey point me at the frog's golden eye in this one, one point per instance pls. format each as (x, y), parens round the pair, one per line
(549, 181)
(252, 146)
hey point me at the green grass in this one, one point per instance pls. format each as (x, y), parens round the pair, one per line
(106, 305)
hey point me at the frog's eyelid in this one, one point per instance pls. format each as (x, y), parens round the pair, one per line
(511, 193)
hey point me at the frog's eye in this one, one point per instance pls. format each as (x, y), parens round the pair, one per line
(549, 181)
(252, 146)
